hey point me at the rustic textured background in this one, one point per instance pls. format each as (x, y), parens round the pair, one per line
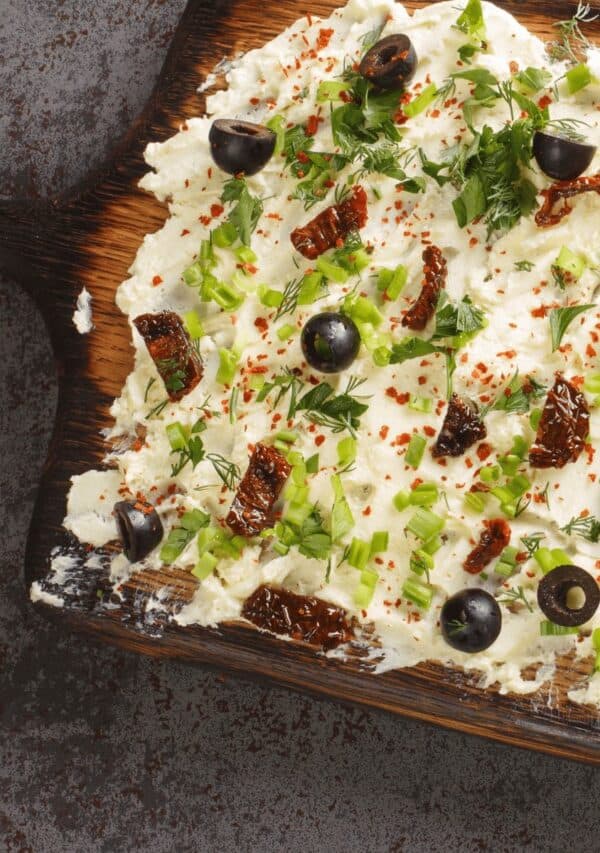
(105, 751)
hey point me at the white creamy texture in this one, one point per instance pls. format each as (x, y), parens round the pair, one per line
(184, 175)
(82, 316)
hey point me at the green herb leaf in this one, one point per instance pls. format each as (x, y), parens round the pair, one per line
(560, 318)
(342, 520)
(410, 348)
(518, 396)
(471, 21)
(587, 528)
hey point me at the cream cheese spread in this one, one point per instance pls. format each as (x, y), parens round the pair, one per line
(508, 275)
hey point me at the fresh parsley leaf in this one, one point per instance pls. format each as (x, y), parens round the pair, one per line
(532, 80)
(410, 348)
(247, 211)
(588, 528)
(452, 319)
(524, 266)
(336, 412)
(517, 396)
(560, 319)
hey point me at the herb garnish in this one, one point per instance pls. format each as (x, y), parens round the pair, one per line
(531, 543)
(247, 211)
(587, 528)
(191, 449)
(151, 382)
(524, 266)
(560, 319)
(517, 396)
(512, 596)
(572, 45)
(336, 412)
(284, 383)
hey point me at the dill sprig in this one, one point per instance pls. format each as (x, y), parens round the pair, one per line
(532, 542)
(572, 44)
(514, 596)
(587, 528)
(290, 298)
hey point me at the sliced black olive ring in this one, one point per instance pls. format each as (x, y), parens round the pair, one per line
(240, 147)
(140, 528)
(561, 158)
(391, 63)
(553, 596)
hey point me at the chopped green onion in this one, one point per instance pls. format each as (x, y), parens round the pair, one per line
(420, 404)
(332, 271)
(193, 325)
(382, 356)
(277, 124)
(310, 289)
(358, 553)
(489, 474)
(433, 545)
(312, 464)
(287, 435)
(475, 501)
(596, 645)
(401, 500)
(425, 524)
(415, 451)
(194, 520)
(418, 592)
(535, 418)
(205, 566)
(256, 382)
(363, 595)
(379, 542)
(549, 559)
(245, 255)
(286, 332)
(362, 310)
(228, 362)
(550, 629)
(268, 297)
(193, 276)
(227, 296)
(571, 263)
(421, 102)
(177, 435)
(505, 567)
(421, 562)
(392, 282)
(425, 494)
(578, 78)
(224, 235)
(346, 451)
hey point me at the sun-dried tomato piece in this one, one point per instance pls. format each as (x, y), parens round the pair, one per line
(178, 364)
(332, 226)
(252, 507)
(462, 427)
(494, 538)
(302, 617)
(435, 273)
(563, 427)
(545, 216)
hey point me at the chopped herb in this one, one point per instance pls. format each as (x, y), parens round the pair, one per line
(512, 596)
(524, 266)
(572, 45)
(532, 80)
(371, 37)
(560, 319)
(189, 447)
(158, 409)
(452, 319)
(587, 528)
(517, 397)
(336, 412)
(151, 382)
(284, 383)
(456, 626)
(532, 542)
(342, 520)
(247, 211)
(233, 402)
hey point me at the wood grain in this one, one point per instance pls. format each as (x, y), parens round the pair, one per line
(90, 237)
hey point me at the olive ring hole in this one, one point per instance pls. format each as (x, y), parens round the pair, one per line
(573, 597)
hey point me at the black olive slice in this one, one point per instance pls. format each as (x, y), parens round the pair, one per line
(240, 147)
(553, 592)
(330, 342)
(561, 158)
(471, 620)
(140, 528)
(391, 63)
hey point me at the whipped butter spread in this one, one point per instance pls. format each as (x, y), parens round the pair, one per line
(512, 277)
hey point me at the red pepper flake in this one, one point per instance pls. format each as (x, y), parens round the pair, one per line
(261, 324)
(312, 125)
(429, 431)
(255, 101)
(216, 209)
(205, 220)
(544, 102)
(590, 351)
(319, 440)
(156, 281)
(400, 398)
(324, 38)
(483, 451)
(383, 432)
(184, 232)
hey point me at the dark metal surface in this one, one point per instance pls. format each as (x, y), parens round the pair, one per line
(100, 750)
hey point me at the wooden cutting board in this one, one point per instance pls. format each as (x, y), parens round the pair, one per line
(90, 238)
